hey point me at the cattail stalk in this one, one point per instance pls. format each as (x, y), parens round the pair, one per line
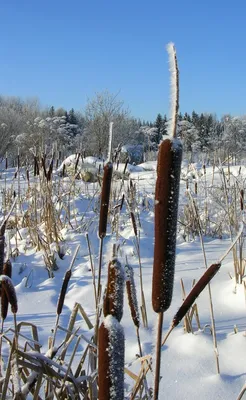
(105, 198)
(63, 292)
(166, 212)
(92, 266)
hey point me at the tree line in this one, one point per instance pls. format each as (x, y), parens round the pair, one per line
(27, 127)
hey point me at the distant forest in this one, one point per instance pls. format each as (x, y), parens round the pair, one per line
(28, 128)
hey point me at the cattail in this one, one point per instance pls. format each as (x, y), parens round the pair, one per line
(4, 304)
(111, 360)
(122, 201)
(7, 269)
(125, 167)
(132, 295)
(134, 224)
(9, 289)
(64, 170)
(195, 187)
(50, 170)
(106, 185)
(43, 165)
(27, 176)
(113, 300)
(2, 245)
(18, 160)
(166, 212)
(6, 161)
(242, 199)
(63, 291)
(204, 169)
(76, 163)
(195, 291)
(36, 166)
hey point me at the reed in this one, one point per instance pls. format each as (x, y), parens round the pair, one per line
(166, 211)
(105, 198)
(103, 218)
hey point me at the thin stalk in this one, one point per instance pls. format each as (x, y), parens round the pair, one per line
(158, 355)
(99, 272)
(92, 267)
(209, 286)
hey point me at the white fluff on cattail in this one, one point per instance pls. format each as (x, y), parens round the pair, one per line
(174, 92)
(110, 142)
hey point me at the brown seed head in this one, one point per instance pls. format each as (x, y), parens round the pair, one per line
(105, 196)
(166, 213)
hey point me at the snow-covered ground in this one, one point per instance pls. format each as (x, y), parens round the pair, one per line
(188, 367)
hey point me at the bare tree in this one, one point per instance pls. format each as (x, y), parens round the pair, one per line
(104, 108)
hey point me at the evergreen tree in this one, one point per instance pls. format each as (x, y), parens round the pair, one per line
(195, 119)
(187, 117)
(52, 111)
(71, 118)
(164, 125)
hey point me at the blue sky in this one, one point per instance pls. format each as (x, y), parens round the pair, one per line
(65, 51)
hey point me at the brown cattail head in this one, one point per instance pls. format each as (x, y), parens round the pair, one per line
(134, 224)
(2, 246)
(132, 295)
(63, 291)
(122, 201)
(9, 289)
(64, 170)
(6, 162)
(242, 199)
(113, 299)
(125, 167)
(7, 268)
(50, 170)
(105, 196)
(166, 213)
(195, 187)
(76, 163)
(195, 291)
(4, 304)
(111, 353)
(36, 166)
(43, 165)
(27, 176)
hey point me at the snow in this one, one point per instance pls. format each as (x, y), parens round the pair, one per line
(188, 365)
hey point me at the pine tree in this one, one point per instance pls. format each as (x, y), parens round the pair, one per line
(52, 111)
(72, 119)
(159, 126)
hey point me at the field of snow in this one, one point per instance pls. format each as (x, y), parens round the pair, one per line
(188, 367)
